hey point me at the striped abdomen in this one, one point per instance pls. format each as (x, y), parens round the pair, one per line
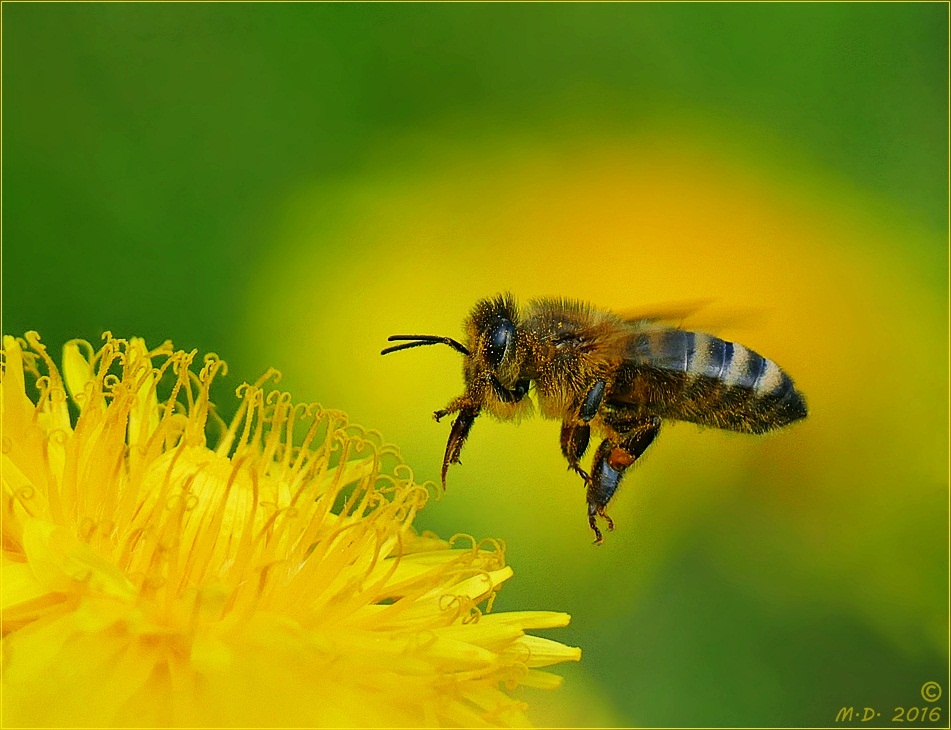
(690, 376)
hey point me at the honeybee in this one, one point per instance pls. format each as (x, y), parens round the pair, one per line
(621, 376)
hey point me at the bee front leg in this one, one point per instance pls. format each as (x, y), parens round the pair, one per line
(610, 462)
(468, 410)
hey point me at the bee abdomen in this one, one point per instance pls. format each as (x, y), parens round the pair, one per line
(732, 364)
(702, 355)
(726, 384)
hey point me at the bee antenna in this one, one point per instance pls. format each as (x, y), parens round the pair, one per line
(419, 340)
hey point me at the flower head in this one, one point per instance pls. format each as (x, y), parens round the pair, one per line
(162, 567)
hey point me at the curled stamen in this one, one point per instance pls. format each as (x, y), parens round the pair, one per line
(280, 542)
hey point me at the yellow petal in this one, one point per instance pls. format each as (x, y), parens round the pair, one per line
(153, 578)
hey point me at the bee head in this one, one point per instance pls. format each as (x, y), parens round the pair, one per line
(495, 368)
(493, 353)
(499, 338)
(491, 329)
(492, 369)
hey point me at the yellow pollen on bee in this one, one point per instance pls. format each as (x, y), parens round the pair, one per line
(620, 459)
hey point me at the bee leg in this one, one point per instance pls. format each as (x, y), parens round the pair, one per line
(592, 401)
(576, 433)
(574, 442)
(610, 463)
(455, 405)
(593, 511)
(457, 436)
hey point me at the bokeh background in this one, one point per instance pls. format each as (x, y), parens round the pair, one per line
(288, 184)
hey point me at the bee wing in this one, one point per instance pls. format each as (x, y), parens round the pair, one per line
(684, 315)
(665, 337)
(671, 312)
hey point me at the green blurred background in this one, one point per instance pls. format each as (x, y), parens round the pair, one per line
(288, 184)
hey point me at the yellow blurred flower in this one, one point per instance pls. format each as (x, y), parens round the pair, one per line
(154, 574)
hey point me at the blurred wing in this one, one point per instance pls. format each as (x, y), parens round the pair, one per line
(684, 315)
(670, 312)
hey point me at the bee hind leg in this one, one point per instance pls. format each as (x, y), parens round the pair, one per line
(594, 511)
(611, 460)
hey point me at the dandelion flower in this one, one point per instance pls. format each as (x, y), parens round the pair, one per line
(164, 568)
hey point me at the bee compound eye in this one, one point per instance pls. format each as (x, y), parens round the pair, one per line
(500, 337)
